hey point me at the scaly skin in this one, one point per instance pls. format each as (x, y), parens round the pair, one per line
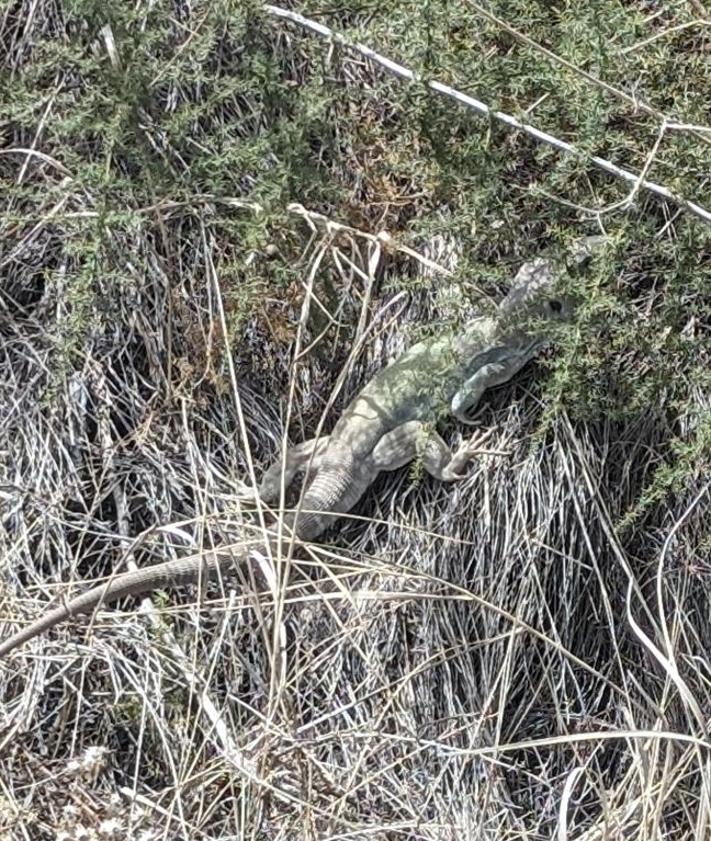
(168, 574)
(386, 425)
(383, 428)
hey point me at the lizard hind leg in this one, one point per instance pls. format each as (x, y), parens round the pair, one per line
(330, 491)
(295, 458)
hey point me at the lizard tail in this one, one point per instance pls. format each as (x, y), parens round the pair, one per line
(169, 574)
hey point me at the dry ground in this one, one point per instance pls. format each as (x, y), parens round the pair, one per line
(525, 655)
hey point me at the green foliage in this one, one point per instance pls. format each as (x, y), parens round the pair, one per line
(686, 458)
(141, 107)
(148, 154)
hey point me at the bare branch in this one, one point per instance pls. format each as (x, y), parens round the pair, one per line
(480, 107)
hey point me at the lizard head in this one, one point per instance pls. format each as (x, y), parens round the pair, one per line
(533, 292)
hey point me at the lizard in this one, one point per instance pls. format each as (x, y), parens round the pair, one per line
(388, 424)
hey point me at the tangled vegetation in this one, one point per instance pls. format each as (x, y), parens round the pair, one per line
(195, 198)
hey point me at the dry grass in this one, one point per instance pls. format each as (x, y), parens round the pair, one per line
(524, 655)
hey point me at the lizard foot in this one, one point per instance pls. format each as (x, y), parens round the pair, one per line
(456, 469)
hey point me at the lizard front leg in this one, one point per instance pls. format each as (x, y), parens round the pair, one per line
(295, 458)
(494, 373)
(415, 439)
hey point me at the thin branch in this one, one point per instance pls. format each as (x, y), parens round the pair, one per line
(481, 108)
(637, 104)
(381, 239)
(647, 41)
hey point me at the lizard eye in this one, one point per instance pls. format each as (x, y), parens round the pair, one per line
(556, 307)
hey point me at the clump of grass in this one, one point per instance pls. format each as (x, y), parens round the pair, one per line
(522, 654)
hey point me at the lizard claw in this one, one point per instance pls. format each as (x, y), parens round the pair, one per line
(466, 413)
(469, 450)
(474, 445)
(456, 469)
